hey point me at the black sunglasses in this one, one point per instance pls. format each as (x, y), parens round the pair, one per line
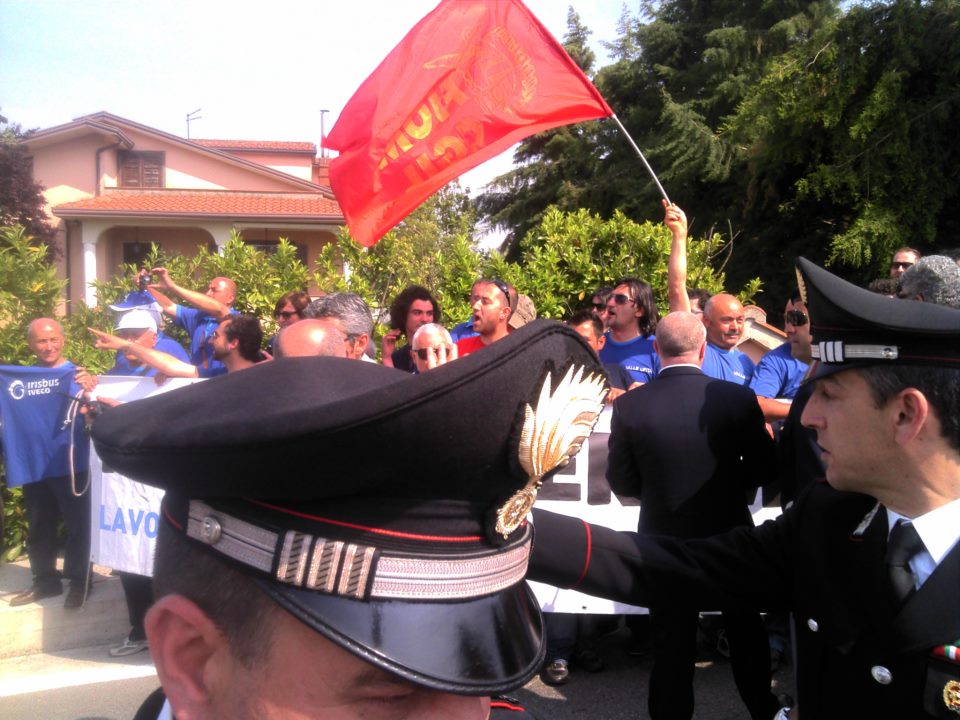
(599, 306)
(901, 265)
(286, 314)
(425, 353)
(621, 299)
(503, 288)
(797, 318)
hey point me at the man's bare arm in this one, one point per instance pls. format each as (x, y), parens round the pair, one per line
(675, 219)
(161, 361)
(203, 302)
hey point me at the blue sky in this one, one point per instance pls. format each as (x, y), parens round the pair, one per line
(258, 70)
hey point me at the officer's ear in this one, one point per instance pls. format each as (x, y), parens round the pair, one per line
(190, 655)
(912, 415)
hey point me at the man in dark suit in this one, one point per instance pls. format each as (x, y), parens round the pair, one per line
(876, 603)
(689, 447)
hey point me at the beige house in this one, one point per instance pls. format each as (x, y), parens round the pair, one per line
(113, 186)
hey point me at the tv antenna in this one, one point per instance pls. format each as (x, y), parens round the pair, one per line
(190, 118)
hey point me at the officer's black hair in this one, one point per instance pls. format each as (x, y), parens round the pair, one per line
(229, 598)
(939, 385)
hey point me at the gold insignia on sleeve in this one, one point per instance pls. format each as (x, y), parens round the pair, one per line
(551, 435)
(951, 696)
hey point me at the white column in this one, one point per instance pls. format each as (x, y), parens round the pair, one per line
(89, 273)
(220, 233)
(90, 232)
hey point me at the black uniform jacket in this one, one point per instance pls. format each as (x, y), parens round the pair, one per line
(689, 447)
(824, 560)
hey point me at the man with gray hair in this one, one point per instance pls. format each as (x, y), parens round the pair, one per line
(353, 315)
(432, 346)
(933, 279)
(689, 447)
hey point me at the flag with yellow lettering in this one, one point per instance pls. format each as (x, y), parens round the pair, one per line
(467, 82)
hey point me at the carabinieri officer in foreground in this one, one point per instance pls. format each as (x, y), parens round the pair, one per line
(340, 540)
(868, 561)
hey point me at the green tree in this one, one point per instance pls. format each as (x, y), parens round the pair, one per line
(21, 199)
(432, 247)
(850, 139)
(568, 255)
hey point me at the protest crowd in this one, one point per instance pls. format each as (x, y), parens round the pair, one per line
(696, 429)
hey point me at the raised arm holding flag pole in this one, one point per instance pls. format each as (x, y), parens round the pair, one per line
(472, 78)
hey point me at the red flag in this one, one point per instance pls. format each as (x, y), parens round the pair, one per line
(467, 82)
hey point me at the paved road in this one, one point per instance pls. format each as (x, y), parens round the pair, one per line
(88, 685)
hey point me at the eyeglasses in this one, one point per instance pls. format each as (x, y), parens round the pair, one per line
(900, 265)
(285, 314)
(621, 299)
(602, 307)
(797, 318)
(425, 353)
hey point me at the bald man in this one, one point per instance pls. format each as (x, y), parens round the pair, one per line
(54, 496)
(313, 336)
(723, 318)
(722, 315)
(210, 308)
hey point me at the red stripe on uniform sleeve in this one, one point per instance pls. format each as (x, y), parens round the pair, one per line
(586, 560)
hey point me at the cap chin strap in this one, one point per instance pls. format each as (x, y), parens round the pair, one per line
(357, 571)
(836, 351)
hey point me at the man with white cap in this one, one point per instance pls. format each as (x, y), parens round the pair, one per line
(138, 327)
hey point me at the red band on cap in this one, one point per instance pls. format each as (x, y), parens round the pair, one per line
(364, 528)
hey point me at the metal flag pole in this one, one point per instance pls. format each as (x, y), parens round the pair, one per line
(643, 159)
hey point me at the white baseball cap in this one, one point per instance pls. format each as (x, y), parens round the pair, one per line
(137, 320)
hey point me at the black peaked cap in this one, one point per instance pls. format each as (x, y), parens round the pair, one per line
(362, 499)
(853, 327)
(318, 428)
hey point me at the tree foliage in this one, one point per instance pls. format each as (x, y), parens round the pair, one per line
(850, 137)
(21, 199)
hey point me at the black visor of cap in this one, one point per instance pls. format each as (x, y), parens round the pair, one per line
(481, 646)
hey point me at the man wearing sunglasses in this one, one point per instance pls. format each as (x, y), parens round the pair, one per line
(632, 319)
(903, 258)
(777, 376)
(490, 302)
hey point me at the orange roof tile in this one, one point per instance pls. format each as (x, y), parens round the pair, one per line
(215, 203)
(259, 145)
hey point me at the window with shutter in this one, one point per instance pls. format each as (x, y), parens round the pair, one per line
(141, 169)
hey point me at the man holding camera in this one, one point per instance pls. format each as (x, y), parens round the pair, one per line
(200, 321)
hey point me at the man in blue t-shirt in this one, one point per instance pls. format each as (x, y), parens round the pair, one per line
(723, 318)
(49, 493)
(777, 376)
(201, 321)
(632, 319)
(722, 315)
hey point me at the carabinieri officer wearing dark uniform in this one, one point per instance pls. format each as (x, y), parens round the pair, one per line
(868, 561)
(340, 540)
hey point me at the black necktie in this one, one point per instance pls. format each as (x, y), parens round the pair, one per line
(903, 544)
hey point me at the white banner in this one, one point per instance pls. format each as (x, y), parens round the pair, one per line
(126, 514)
(581, 490)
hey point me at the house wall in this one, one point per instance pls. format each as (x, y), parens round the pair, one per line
(66, 170)
(188, 169)
(300, 166)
